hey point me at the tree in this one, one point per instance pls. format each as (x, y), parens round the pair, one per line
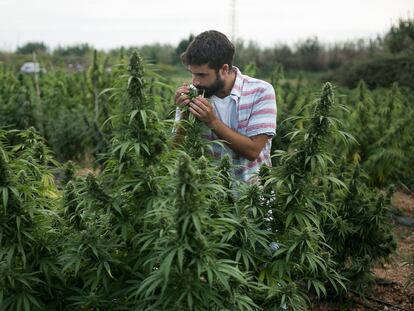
(400, 38)
(182, 46)
(310, 53)
(30, 47)
(73, 50)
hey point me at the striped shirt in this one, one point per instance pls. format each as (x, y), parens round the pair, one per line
(254, 114)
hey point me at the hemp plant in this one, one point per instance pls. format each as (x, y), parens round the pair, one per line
(28, 270)
(140, 135)
(191, 265)
(17, 105)
(95, 249)
(298, 207)
(192, 129)
(105, 257)
(360, 120)
(138, 148)
(386, 155)
(360, 233)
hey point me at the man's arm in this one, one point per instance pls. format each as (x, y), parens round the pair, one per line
(248, 147)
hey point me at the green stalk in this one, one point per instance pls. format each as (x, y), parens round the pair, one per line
(4, 172)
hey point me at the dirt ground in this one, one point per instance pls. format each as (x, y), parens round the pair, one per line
(390, 291)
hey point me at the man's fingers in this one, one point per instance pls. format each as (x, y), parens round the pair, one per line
(198, 102)
(181, 99)
(203, 104)
(196, 107)
(179, 95)
(181, 91)
(195, 113)
(183, 103)
(199, 105)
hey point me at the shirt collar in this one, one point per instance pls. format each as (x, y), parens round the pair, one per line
(238, 83)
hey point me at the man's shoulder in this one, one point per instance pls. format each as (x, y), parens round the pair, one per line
(257, 85)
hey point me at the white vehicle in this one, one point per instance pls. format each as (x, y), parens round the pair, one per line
(31, 67)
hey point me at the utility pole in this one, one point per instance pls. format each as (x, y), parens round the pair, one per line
(233, 20)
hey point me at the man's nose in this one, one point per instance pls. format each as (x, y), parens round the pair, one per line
(195, 81)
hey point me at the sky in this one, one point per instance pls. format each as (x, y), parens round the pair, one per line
(109, 24)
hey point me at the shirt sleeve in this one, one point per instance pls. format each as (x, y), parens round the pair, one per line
(262, 119)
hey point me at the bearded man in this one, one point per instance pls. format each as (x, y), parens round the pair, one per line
(236, 108)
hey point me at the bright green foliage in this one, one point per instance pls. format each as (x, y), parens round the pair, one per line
(292, 106)
(192, 143)
(105, 254)
(250, 70)
(191, 265)
(360, 232)
(226, 177)
(162, 228)
(64, 113)
(4, 171)
(193, 129)
(99, 103)
(354, 235)
(363, 107)
(294, 193)
(141, 134)
(64, 117)
(69, 172)
(150, 226)
(28, 270)
(378, 123)
(70, 206)
(17, 106)
(276, 79)
(136, 82)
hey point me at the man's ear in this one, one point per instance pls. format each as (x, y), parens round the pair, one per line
(225, 69)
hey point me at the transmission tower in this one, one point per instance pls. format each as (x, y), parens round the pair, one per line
(233, 20)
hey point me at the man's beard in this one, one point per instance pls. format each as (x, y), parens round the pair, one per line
(216, 87)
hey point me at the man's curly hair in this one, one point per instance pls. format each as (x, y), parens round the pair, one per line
(210, 47)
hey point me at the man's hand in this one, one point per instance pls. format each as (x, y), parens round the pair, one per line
(181, 96)
(203, 110)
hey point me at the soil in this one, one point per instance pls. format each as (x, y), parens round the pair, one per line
(390, 291)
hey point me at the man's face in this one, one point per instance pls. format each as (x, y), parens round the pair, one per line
(206, 80)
